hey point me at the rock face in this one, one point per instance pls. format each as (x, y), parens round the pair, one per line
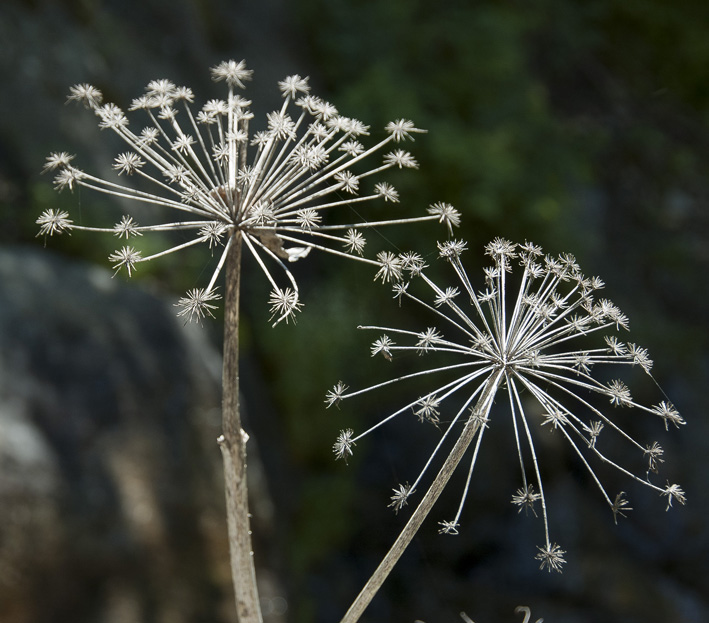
(111, 504)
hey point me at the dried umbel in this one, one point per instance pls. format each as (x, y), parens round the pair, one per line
(272, 188)
(531, 340)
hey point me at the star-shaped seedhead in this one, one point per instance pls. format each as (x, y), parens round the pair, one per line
(426, 409)
(519, 340)
(53, 222)
(400, 497)
(197, 304)
(281, 192)
(284, 304)
(343, 446)
(525, 498)
(234, 74)
(334, 396)
(551, 557)
(382, 345)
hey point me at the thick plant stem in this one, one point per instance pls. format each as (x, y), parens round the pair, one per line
(233, 447)
(411, 528)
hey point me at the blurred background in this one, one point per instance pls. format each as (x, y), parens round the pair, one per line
(582, 126)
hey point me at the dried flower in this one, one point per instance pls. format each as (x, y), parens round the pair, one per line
(271, 189)
(531, 336)
(382, 345)
(197, 304)
(551, 557)
(525, 498)
(400, 497)
(343, 446)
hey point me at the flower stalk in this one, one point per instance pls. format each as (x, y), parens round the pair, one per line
(470, 430)
(232, 444)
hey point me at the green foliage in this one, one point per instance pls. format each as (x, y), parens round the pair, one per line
(495, 149)
(581, 126)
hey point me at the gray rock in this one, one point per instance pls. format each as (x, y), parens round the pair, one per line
(111, 503)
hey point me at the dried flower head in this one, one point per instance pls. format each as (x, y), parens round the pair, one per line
(271, 189)
(531, 336)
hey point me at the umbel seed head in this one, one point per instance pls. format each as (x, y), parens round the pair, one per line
(516, 339)
(282, 192)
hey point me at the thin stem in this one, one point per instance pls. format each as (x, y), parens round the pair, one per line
(232, 444)
(411, 528)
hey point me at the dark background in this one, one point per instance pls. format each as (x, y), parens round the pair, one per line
(582, 126)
